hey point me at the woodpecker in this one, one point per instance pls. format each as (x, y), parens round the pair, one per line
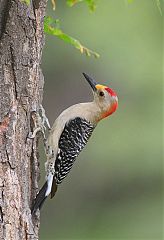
(70, 133)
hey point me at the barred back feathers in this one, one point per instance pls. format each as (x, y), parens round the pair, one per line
(73, 139)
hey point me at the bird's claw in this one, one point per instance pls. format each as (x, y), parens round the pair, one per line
(41, 124)
(45, 120)
(32, 135)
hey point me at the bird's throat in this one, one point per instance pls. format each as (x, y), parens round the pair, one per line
(111, 110)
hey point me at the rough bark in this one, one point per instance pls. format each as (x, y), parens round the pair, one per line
(21, 89)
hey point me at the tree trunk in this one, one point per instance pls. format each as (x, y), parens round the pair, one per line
(21, 89)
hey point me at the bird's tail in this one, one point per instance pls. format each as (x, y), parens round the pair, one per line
(40, 198)
(43, 193)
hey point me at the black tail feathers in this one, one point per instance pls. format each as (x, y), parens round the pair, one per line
(40, 198)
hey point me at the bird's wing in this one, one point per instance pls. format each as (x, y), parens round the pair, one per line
(72, 140)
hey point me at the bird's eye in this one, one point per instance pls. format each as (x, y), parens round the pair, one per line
(101, 94)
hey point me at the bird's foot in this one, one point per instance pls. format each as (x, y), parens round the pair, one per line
(41, 124)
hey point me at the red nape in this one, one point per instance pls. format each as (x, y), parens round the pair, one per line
(109, 90)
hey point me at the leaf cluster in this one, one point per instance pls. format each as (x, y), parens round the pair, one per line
(52, 26)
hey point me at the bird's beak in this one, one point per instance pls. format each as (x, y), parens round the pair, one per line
(91, 82)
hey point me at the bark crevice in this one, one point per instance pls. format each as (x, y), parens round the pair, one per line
(4, 11)
(13, 71)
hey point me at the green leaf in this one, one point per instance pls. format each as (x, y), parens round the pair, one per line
(26, 1)
(91, 3)
(51, 26)
(71, 3)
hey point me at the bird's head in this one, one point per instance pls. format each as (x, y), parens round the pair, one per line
(105, 98)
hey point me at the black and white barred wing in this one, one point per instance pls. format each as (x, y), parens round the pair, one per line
(72, 140)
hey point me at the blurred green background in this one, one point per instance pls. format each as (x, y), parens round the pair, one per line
(114, 190)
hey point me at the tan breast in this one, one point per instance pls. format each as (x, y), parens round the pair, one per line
(88, 111)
